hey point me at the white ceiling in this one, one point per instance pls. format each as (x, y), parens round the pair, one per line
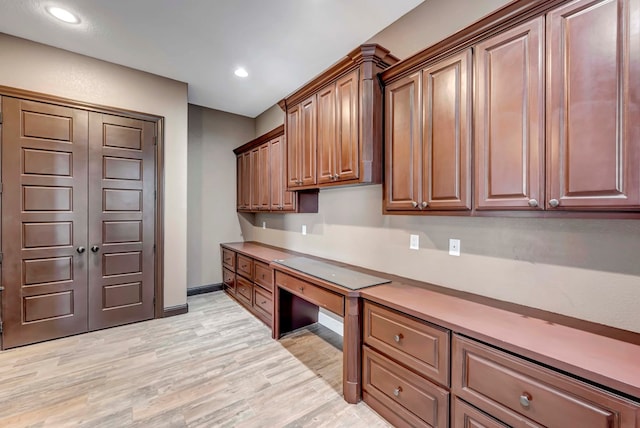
(281, 43)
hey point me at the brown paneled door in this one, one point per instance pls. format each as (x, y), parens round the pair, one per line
(121, 220)
(78, 221)
(44, 221)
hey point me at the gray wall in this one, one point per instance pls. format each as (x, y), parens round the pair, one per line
(588, 269)
(212, 189)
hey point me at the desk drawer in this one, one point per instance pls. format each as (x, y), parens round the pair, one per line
(245, 267)
(417, 344)
(263, 275)
(414, 399)
(465, 416)
(509, 387)
(317, 295)
(244, 291)
(229, 279)
(229, 259)
(262, 301)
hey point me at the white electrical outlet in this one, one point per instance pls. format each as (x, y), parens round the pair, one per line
(454, 247)
(304, 229)
(414, 242)
(264, 224)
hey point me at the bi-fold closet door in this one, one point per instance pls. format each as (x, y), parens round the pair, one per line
(77, 220)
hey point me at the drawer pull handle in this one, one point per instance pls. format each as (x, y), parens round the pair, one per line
(264, 302)
(397, 391)
(398, 337)
(525, 399)
(301, 289)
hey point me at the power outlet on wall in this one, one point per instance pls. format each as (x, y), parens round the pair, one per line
(264, 224)
(454, 247)
(414, 242)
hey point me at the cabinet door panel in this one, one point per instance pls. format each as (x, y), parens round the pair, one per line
(347, 143)
(593, 54)
(246, 180)
(264, 177)
(276, 176)
(254, 179)
(307, 146)
(446, 141)
(509, 119)
(293, 147)
(239, 194)
(327, 134)
(403, 142)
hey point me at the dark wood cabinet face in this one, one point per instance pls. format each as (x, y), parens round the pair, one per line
(308, 141)
(293, 147)
(264, 177)
(254, 177)
(509, 119)
(246, 180)
(276, 174)
(403, 144)
(347, 149)
(327, 134)
(446, 141)
(593, 105)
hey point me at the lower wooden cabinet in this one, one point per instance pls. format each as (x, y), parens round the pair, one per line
(250, 283)
(403, 397)
(521, 393)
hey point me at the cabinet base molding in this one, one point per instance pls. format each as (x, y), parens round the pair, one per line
(202, 289)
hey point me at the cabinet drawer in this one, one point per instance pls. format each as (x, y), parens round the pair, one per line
(416, 344)
(263, 275)
(511, 388)
(229, 259)
(317, 295)
(245, 267)
(229, 279)
(262, 301)
(411, 397)
(244, 290)
(466, 416)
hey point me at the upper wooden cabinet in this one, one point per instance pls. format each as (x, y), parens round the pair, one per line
(261, 185)
(334, 126)
(428, 138)
(556, 103)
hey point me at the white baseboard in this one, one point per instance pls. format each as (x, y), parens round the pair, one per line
(331, 323)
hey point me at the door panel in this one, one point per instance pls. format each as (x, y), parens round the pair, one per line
(254, 177)
(264, 174)
(294, 147)
(509, 119)
(347, 121)
(121, 220)
(44, 221)
(327, 134)
(403, 141)
(593, 54)
(308, 143)
(446, 172)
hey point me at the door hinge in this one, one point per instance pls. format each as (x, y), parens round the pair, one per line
(0, 118)
(1, 258)
(154, 301)
(155, 140)
(0, 188)
(0, 327)
(154, 248)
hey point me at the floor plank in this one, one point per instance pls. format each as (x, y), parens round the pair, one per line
(216, 366)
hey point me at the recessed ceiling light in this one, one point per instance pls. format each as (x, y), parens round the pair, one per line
(63, 15)
(241, 72)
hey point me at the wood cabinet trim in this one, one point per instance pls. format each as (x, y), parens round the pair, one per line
(266, 137)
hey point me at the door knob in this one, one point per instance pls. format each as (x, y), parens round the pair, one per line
(95, 248)
(554, 203)
(424, 204)
(414, 203)
(80, 250)
(533, 203)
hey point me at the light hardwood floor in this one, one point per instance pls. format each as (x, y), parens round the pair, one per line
(216, 366)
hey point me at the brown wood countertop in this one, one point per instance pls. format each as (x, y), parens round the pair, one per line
(598, 358)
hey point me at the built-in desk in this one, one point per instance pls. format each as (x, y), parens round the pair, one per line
(302, 285)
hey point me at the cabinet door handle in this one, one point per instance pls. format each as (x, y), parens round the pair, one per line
(397, 391)
(533, 203)
(398, 337)
(424, 204)
(525, 399)
(553, 203)
(415, 204)
(80, 250)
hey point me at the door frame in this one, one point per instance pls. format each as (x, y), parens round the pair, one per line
(159, 174)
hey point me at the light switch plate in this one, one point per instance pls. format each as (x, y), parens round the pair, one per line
(414, 242)
(304, 229)
(454, 247)
(264, 224)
